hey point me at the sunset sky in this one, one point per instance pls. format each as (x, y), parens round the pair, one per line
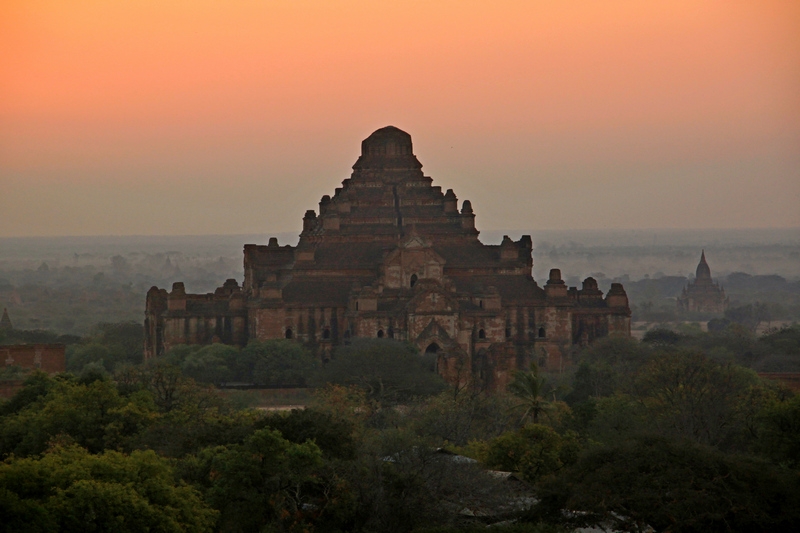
(235, 116)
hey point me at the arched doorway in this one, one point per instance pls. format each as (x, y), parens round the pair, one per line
(433, 352)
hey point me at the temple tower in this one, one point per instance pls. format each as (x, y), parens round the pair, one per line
(703, 295)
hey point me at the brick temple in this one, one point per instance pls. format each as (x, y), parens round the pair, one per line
(390, 255)
(703, 295)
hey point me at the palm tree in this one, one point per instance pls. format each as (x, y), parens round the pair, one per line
(529, 388)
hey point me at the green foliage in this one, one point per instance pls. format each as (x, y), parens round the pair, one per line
(211, 364)
(112, 345)
(273, 363)
(458, 419)
(662, 337)
(276, 363)
(607, 366)
(785, 340)
(333, 435)
(783, 350)
(750, 315)
(36, 386)
(779, 431)
(671, 486)
(529, 388)
(402, 482)
(534, 451)
(81, 355)
(259, 482)
(126, 336)
(92, 415)
(390, 371)
(68, 489)
(177, 354)
(13, 373)
(189, 415)
(690, 396)
(617, 417)
(37, 336)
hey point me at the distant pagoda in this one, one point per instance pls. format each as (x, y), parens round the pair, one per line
(703, 295)
(5, 322)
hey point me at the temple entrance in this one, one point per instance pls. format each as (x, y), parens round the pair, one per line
(431, 357)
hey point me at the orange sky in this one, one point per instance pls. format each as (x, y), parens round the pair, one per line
(200, 116)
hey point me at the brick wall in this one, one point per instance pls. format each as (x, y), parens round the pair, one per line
(50, 358)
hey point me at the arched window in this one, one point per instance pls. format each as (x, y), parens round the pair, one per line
(288, 333)
(432, 348)
(391, 333)
(480, 303)
(508, 333)
(481, 334)
(347, 334)
(380, 333)
(326, 333)
(414, 279)
(541, 333)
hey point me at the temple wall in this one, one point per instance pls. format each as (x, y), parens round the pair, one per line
(50, 358)
(269, 323)
(619, 325)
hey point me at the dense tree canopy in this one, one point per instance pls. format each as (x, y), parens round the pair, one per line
(68, 489)
(672, 486)
(390, 371)
(674, 433)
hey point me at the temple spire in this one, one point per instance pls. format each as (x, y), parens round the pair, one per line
(5, 321)
(703, 270)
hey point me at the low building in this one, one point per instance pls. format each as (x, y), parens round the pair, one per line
(50, 358)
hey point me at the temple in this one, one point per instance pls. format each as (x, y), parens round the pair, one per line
(703, 295)
(5, 321)
(389, 255)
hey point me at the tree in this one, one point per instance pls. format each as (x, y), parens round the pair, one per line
(333, 435)
(662, 337)
(35, 386)
(468, 416)
(81, 355)
(92, 415)
(690, 396)
(534, 451)
(779, 432)
(211, 364)
(127, 336)
(276, 363)
(111, 344)
(606, 366)
(529, 389)
(389, 371)
(259, 482)
(68, 489)
(670, 486)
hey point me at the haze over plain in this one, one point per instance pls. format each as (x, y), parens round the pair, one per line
(198, 117)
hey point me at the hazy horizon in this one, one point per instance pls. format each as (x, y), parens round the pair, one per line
(579, 253)
(494, 236)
